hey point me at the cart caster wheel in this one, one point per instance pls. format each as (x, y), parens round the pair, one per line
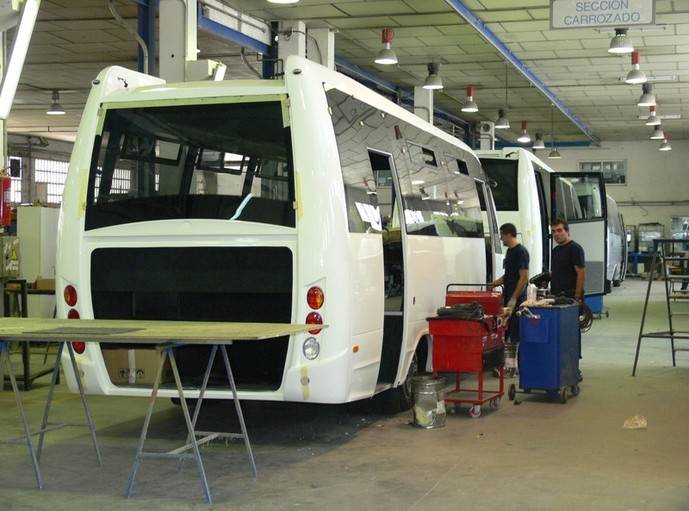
(512, 392)
(563, 395)
(475, 411)
(575, 389)
(494, 403)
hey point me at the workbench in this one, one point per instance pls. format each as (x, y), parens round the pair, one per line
(167, 336)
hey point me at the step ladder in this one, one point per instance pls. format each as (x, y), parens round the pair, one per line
(666, 251)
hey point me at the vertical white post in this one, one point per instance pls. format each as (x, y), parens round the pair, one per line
(4, 160)
(292, 40)
(423, 103)
(178, 37)
(320, 46)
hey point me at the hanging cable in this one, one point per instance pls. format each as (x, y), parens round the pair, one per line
(128, 28)
(242, 53)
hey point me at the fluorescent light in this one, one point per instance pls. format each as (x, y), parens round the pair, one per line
(503, 123)
(386, 56)
(539, 143)
(470, 105)
(658, 133)
(56, 107)
(647, 97)
(635, 75)
(433, 80)
(524, 138)
(16, 62)
(620, 43)
(554, 154)
(282, 1)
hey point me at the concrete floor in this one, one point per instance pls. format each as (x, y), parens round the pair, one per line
(540, 455)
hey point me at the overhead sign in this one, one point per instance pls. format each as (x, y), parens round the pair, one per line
(601, 13)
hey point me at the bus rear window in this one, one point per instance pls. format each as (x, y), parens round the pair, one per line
(504, 175)
(219, 161)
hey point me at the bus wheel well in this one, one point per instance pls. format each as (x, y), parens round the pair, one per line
(422, 353)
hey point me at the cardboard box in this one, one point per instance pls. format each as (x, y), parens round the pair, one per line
(42, 283)
(134, 367)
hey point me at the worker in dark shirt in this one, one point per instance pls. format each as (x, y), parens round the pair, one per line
(513, 281)
(568, 265)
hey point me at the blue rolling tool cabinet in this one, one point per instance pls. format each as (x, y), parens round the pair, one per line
(549, 350)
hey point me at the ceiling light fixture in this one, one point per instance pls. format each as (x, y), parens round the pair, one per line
(433, 80)
(658, 133)
(635, 75)
(470, 105)
(554, 153)
(621, 43)
(386, 56)
(503, 123)
(647, 97)
(524, 138)
(653, 117)
(282, 1)
(56, 107)
(539, 143)
(665, 146)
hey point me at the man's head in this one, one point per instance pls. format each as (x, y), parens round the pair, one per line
(508, 235)
(559, 228)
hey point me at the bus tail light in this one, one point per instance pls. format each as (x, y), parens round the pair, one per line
(315, 297)
(314, 319)
(79, 346)
(70, 295)
(73, 314)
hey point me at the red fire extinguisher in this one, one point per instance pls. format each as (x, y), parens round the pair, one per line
(5, 203)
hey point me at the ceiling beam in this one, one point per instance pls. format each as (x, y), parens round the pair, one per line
(497, 43)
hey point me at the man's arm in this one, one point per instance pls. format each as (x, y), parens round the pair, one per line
(497, 282)
(521, 285)
(581, 277)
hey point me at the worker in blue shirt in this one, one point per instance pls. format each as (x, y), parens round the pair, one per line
(514, 282)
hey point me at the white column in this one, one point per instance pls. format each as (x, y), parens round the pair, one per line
(321, 46)
(178, 38)
(292, 40)
(423, 103)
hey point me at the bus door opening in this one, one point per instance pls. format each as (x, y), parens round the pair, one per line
(393, 264)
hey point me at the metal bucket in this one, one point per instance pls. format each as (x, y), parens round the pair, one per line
(429, 401)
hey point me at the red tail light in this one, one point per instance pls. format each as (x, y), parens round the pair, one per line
(70, 295)
(315, 297)
(73, 314)
(314, 319)
(79, 346)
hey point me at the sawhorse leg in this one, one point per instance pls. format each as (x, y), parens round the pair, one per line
(192, 442)
(168, 352)
(45, 426)
(4, 356)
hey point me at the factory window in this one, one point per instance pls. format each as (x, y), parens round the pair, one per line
(614, 171)
(50, 178)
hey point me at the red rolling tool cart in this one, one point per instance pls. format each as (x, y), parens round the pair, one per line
(462, 346)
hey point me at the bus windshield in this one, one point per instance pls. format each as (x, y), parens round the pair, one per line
(503, 174)
(212, 161)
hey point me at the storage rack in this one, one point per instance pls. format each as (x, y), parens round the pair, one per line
(663, 253)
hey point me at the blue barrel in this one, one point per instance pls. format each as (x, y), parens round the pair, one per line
(549, 348)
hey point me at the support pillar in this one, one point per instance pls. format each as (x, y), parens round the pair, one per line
(178, 38)
(292, 39)
(423, 103)
(320, 47)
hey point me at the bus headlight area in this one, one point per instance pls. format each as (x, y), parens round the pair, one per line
(311, 348)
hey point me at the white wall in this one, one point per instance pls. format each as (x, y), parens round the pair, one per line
(651, 176)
